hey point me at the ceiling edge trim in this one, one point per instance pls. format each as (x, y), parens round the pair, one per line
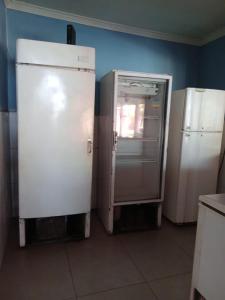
(213, 36)
(56, 14)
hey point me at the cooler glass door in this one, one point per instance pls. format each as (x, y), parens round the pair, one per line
(140, 114)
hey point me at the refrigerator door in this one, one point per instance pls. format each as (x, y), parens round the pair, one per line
(198, 172)
(55, 131)
(140, 115)
(204, 110)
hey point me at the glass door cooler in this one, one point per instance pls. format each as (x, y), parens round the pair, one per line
(134, 113)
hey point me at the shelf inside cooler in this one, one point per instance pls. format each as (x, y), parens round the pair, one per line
(151, 117)
(138, 149)
(137, 195)
(133, 158)
(141, 139)
(137, 179)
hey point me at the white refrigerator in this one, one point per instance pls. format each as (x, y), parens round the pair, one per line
(55, 101)
(195, 136)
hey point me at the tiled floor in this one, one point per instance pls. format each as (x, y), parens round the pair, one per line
(150, 265)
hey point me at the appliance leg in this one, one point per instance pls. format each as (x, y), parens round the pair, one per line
(87, 225)
(159, 215)
(22, 232)
(195, 295)
(192, 295)
(111, 221)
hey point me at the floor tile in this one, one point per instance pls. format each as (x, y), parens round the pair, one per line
(102, 267)
(36, 272)
(98, 231)
(184, 236)
(172, 288)
(156, 254)
(134, 292)
(99, 265)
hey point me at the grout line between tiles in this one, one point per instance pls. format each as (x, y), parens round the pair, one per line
(153, 293)
(169, 276)
(161, 278)
(185, 252)
(70, 271)
(132, 260)
(112, 289)
(164, 278)
(138, 269)
(142, 281)
(182, 248)
(189, 255)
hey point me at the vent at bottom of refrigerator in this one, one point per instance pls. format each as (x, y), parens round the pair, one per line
(135, 217)
(55, 228)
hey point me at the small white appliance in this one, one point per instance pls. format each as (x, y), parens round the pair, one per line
(55, 99)
(195, 135)
(209, 264)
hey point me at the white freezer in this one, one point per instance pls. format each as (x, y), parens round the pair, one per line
(55, 131)
(193, 154)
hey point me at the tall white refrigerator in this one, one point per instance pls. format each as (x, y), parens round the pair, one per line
(195, 136)
(55, 99)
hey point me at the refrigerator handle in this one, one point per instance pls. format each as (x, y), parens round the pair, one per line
(89, 146)
(115, 140)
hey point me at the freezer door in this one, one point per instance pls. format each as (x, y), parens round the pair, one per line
(198, 172)
(192, 110)
(212, 111)
(204, 110)
(55, 132)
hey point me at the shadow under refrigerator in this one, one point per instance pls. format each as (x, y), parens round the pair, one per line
(195, 136)
(134, 114)
(55, 99)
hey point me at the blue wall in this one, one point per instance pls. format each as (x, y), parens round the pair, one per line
(3, 58)
(113, 50)
(212, 65)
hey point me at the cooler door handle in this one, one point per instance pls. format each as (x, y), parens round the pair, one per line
(89, 146)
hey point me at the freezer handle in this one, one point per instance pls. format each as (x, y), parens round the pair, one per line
(89, 146)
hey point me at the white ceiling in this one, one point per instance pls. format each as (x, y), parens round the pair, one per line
(194, 19)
